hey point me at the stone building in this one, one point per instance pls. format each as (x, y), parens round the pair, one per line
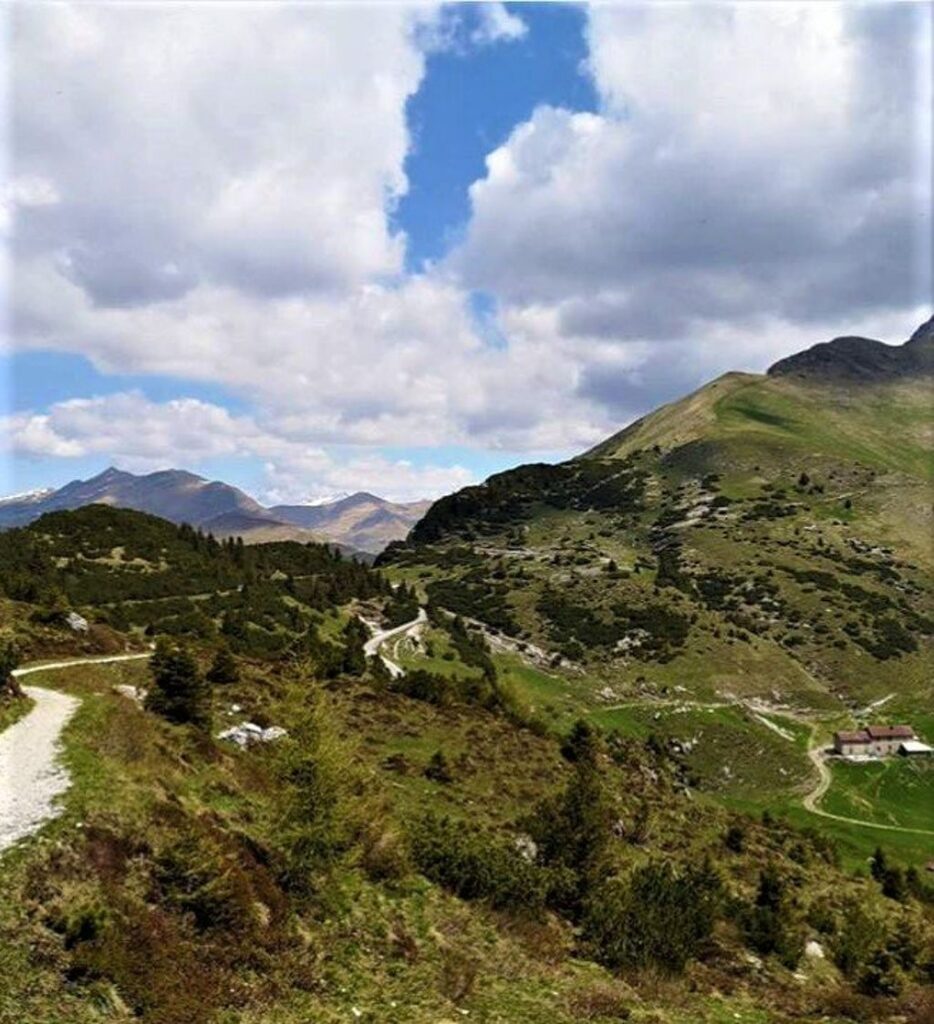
(873, 741)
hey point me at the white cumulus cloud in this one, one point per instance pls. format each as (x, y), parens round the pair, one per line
(257, 146)
(751, 166)
(142, 436)
(206, 192)
(497, 24)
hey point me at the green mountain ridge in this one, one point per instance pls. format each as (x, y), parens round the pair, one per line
(767, 534)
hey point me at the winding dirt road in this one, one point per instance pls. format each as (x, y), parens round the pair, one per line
(372, 647)
(811, 800)
(31, 776)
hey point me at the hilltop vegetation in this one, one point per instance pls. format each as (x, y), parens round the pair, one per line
(132, 572)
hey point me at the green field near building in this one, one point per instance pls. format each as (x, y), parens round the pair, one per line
(898, 791)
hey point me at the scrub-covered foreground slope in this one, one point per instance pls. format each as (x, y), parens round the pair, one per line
(768, 535)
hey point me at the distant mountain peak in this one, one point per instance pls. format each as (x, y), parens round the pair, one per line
(360, 521)
(346, 499)
(862, 360)
(110, 473)
(362, 498)
(925, 333)
(322, 500)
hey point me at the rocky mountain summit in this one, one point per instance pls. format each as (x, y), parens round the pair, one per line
(854, 359)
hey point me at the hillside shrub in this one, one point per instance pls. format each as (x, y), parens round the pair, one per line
(10, 656)
(224, 668)
(317, 813)
(353, 636)
(445, 691)
(771, 925)
(476, 866)
(856, 939)
(152, 958)
(471, 647)
(572, 830)
(402, 606)
(196, 878)
(881, 976)
(661, 630)
(582, 743)
(657, 917)
(473, 596)
(438, 769)
(735, 839)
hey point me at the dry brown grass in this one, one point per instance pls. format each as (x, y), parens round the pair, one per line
(601, 1000)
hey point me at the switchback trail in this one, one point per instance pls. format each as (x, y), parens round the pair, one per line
(372, 647)
(31, 777)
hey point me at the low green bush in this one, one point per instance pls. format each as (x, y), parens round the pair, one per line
(657, 917)
(476, 866)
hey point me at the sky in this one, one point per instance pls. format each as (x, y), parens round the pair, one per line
(316, 248)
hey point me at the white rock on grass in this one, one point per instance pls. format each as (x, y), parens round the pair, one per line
(77, 622)
(133, 693)
(527, 848)
(247, 733)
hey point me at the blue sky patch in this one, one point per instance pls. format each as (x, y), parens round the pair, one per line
(470, 100)
(38, 379)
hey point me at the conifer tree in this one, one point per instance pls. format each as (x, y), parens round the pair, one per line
(9, 660)
(354, 636)
(179, 692)
(224, 668)
(316, 811)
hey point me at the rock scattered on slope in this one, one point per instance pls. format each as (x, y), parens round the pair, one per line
(247, 733)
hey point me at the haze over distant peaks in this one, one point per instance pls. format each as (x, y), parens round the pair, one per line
(361, 520)
(324, 499)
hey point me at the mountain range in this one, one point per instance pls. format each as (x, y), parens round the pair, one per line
(359, 522)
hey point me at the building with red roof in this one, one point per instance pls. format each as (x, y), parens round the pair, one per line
(873, 741)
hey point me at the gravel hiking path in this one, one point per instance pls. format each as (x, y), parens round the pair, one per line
(31, 777)
(372, 647)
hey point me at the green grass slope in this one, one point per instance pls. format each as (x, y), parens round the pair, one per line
(759, 551)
